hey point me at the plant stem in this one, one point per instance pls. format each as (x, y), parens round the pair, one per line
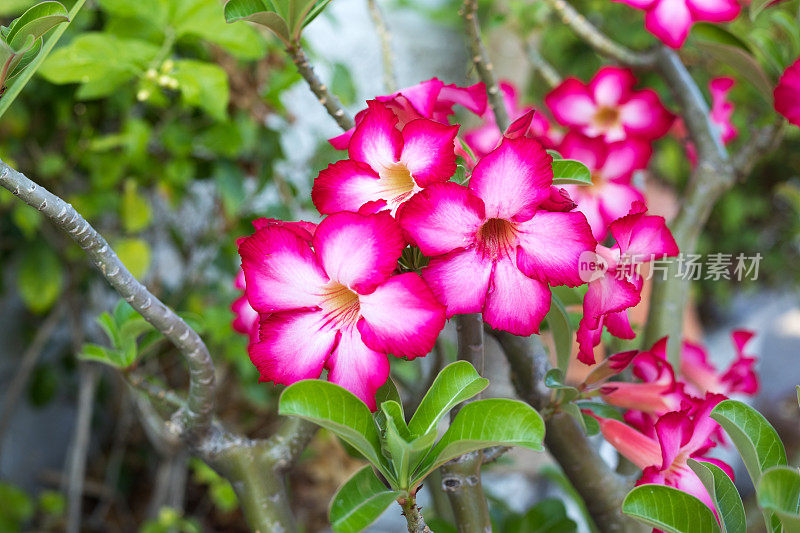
(603, 44)
(482, 64)
(7, 98)
(548, 72)
(416, 523)
(389, 78)
(320, 90)
(196, 417)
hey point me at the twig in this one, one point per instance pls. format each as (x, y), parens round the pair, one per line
(491, 455)
(599, 486)
(416, 523)
(320, 90)
(26, 366)
(762, 142)
(482, 64)
(200, 405)
(284, 447)
(548, 72)
(389, 78)
(603, 44)
(76, 467)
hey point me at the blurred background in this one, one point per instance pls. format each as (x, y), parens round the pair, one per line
(194, 129)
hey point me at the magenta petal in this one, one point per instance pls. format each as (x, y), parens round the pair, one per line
(714, 10)
(787, 94)
(292, 346)
(483, 139)
(441, 218)
(345, 186)
(402, 317)
(639, 449)
(643, 237)
(550, 245)
(280, 270)
(571, 104)
(625, 157)
(472, 98)
(341, 142)
(609, 294)
(460, 280)
(616, 200)
(638, 4)
(611, 85)
(359, 251)
(357, 367)
(673, 431)
(515, 303)
(515, 176)
(376, 141)
(428, 151)
(618, 325)
(644, 116)
(590, 152)
(588, 336)
(670, 21)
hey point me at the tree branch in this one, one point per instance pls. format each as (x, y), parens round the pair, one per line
(416, 523)
(320, 90)
(603, 44)
(389, 79)
(195, 419)
(599, 486)
(762, 142)
(542, 66)
(482, 64)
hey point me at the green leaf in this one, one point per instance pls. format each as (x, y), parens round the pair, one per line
(316, 10)
(669, 509)
(343, 85)
(724, 495)
(757, 441)
(338, 410)
(359, 502)
(757, 6)
(558, 321)
(715, 33)
(26, 59)
(779, 491)
(201, 18)
(203, 85)
(134, 254)
(135, 213)
(484, 423)
(574, 411)
(554, 379)
(259, 12)
(153, 11)
(36, 21)
(602, 410)
(85, 60)
(388, 392)
(571, 172)
(40, 278)
(547, 516)
(456, 383)
(555, 155)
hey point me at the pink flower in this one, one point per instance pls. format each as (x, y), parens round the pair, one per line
(492, 249)
(609, 107)
(671, 20)
(386, 166)
(722, 108)
(430, 99)
(333, 303)
(486, 137)
(703, 377)
(678, 436)
(787, 94)
(611, 194)
(616, 287)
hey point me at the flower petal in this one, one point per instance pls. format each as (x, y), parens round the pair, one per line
(402, 317)
(571, 103)
(292, 346)
(515, 176)
(550, 245)
(515, 302)
(714, 10)
(376, 141)
(636, 447)
(611, 85)
(428, 151)
(280, 270)
(345, 186)
(642, 237)
(608, 294)
(357, 367)
(670, 21)
(787, 94)
(460, 280)
(590, 152)
(442, 218)
(616, 200)
(644, 116)
(624, 158)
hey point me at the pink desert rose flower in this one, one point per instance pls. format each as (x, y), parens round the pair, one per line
(486, 137)
(492, 249)
(722, 108)
(656, 392)
(386, 166)
(334, 303)
(608, 107)
(787, 94)
(671, 20)
(640, 238)
(663, 457)
(612, 165)
(431, 99)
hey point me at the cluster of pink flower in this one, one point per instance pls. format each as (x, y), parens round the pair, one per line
(667, 415)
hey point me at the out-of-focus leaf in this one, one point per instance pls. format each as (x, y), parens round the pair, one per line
(547, 516)
(554, 379)
(359, 502)
(260, 12)
(779, 491)
(669, 509)
(135, 254)
(40, 278)
(136, 213)
(558, 321)
(203, 85)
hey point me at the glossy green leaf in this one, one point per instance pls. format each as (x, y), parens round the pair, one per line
(456, 383)
(723, 493)
(669, 509)
(40, 278)
(574, 411)
(26, 59)
(779, 491)
(555, 155)
(338, 410)
(558, 322)
(388, 392)
(554, 379)
(571, 172)
(359, 502)
(484, 423)
(315, 11)
(36, 21)
(259, 12)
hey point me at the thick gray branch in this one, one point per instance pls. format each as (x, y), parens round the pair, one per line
(200, 405)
